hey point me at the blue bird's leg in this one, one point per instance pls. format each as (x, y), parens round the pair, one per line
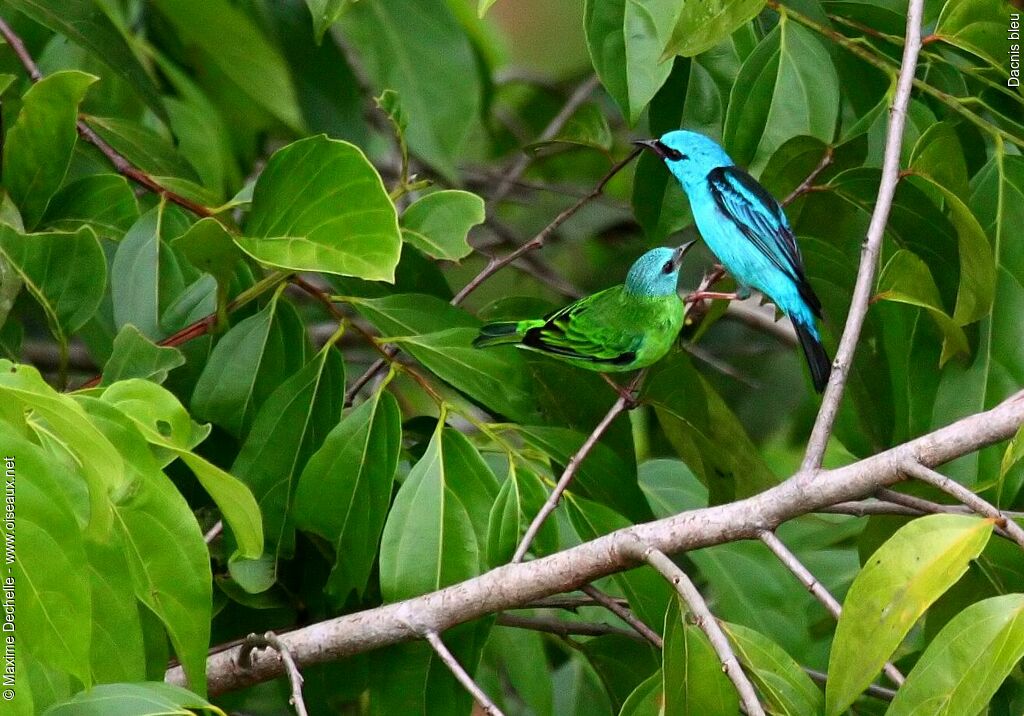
(711, 295)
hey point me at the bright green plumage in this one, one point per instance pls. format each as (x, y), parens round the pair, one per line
(622, 328)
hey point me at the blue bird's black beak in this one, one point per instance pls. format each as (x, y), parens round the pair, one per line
(654, 145)
(680, 252)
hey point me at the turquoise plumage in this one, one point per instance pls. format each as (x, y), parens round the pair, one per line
(622, 328)
(746, 228)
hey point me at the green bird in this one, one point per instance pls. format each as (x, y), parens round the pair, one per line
(622, 328)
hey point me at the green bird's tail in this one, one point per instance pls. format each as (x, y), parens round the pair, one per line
(495, 334)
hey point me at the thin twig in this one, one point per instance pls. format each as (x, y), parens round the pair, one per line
(618, 407)
(816, 588)
(704, 619)
(270, 640)
(19, 49)
(570, 602)
(577, 98)
(968, 498)
(460, 674)
(623, 612)
(561, 627)
(872, 247)
(879, 692)
(214, 532)
(496, 264)
(805, 185)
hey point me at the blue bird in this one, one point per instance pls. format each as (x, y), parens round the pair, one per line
(745, 227)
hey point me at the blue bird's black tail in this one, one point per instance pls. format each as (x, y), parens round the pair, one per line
(817, 359)
(494, 334)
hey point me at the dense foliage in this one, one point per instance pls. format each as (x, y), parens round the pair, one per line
(326, 166)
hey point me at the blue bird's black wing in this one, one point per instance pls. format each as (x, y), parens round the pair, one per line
(760, 218)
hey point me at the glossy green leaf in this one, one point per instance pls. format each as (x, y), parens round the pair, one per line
(587, 127)
(118, 651)
(506, 523)
(68, 297)
(418, 49)
(321, 206)
(145, 148)
(997, 199)
(646, 699)
(626, 40)
(344, 492)
(622, 663)
(905, 278)
(324, 13)
(784, 687)
(135, 276)
(897, 584)
(209, 247)
(290, 426)
(167, 558)
(104, 202)
(85, 24)
(135, 356)
(977, 26)
(228, 37)
(693, 682)
(439, 223)
(101, 464)
(648, 593)
(963, 666)
(702, 25)
(53, 592)
(939, 155)
(248, 363)
(151, 698)
(412, 314)
(1014, 452)
(787, 87)
(435, 532)
(696, 420)
(496, 379)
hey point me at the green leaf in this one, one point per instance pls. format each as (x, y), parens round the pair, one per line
(345, 490)
(587, 127)
(229, 39)
(248, 363)
(135, 276)
(324, 13)
(646, 699)
(135, 356)
(151, 698)
(648, 593)
(907, 279)
(439, 223)
(1014, 453)
(411, 314)
(167, 558)
(418, 49)
(145, 148)
(965, 664)
(118, 651)
(693, 682)
(899, 582)
(53, 598)
(85, 24)
(626, 40)
(290, 426)
(702, 24)
(977, 26)
(939, 155)
(68, 297)
(37, 149)
(622, 663)
(435, 532)
(697, 422)
(104, 202)
(497, 379)
(784, 687)
(506, 523)
(164, 422)
(209, 247)
(484, 6)
(101, 464)
(321, 206)
(787, 87)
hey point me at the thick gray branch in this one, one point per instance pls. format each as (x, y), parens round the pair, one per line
(516, 584)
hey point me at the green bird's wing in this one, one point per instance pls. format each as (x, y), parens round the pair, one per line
(595, 329)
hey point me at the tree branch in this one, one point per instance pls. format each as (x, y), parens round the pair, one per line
(270, 640)
(562, 628)
(704, 619)
(516, 584)
(460, 674)
(623, 613)
(872, 247)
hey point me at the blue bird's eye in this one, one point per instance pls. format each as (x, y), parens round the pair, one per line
(668, 267)
(669, 153)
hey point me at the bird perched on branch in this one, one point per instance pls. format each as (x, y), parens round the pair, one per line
(622, 328)
(745, 227)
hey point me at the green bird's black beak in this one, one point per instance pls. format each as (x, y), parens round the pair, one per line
(680, 252)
